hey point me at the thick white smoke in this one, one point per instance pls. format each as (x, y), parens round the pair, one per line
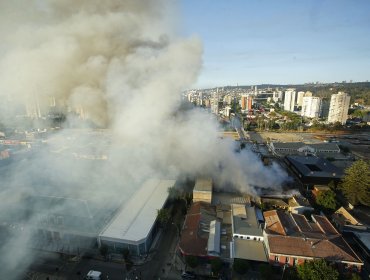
(120, 64)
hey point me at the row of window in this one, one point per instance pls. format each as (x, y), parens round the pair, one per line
(248, 238)
(287, 260)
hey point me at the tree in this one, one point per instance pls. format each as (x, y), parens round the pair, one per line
(317, 270)
(216, 265)
(326, 199)
(163, 216)
(265, 271)
(240, 266)
(191, 261)
(356, 183)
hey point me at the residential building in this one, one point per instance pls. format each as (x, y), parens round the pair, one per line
(311, 106)
(338, 110)
(291, 239)
(289, 100)
(345, 221)
(246, 102)
(300, 95)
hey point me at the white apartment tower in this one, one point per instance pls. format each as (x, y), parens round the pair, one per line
(289, 100)
(300, 95)
(338, 110)
(311, 106)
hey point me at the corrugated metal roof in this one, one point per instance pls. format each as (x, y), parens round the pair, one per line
(135, 220)
(214, 238)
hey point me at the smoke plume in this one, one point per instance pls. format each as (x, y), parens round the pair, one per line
(120, 67)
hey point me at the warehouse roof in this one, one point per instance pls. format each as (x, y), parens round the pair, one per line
(135, 220)
(249, 250)
(244, 220)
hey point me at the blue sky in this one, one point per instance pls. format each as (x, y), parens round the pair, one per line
(251, 42)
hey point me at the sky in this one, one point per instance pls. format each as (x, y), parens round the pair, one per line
(283, 42)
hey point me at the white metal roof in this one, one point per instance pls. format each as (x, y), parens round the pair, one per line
(134, 221)
(214, 237)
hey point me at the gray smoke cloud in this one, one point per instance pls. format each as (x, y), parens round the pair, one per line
(120, 65)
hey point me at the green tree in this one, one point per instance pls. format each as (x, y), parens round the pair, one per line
(356, 183)
(191, 261)
(240, 266)
(163, 216)
(265, 271)
(326, 200)
(216, 265)
(317, 270)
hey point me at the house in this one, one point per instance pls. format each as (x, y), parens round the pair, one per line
(318, 189)
(291, 239)
(346, 222)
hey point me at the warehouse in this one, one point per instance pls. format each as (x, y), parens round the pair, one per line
(134, 227)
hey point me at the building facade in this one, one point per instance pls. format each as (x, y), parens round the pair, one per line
(289, 100)
(311, 107)
(338, 110)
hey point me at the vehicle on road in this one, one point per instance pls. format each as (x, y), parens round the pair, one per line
(188, 275)
(93, 275)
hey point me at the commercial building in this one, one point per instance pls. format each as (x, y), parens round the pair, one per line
(311, 107)
(300, 148)
(134, 227)
(313, 170)
(247, 234)
(338, 110)
(292, 240)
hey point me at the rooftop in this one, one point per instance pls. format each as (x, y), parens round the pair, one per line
(135, 220)
(203, 185)
(249, 250)
(244, 220)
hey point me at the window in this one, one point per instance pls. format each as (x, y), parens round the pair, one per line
(295, 261)
(276, 258)
(287, 260)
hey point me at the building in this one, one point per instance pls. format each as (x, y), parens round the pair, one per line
(200, 235)
(300, 148)
(289, 100)
(313, 170)
(299, 205)
(311, 107)
(203, 190)
(247, 234)
(345, 221)
(291, 239)
(300, 95)
(246, 102)
(134, 227)
(338, 110)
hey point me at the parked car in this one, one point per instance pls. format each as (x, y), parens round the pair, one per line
(188, 275)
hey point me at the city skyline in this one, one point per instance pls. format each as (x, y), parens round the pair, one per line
(246, 43)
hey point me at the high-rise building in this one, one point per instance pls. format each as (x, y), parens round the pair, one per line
(338, 110)
(311, 106)
(300, 95)
(246, 102)
(289, 100)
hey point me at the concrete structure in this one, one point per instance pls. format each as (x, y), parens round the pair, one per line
(338, 110)
(289, 100)
(291, 240)
(203, 190)
(300, 95)
(246, 102)
(134, 226)
(311, 107)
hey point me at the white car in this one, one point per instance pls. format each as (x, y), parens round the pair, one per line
(93, 275)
